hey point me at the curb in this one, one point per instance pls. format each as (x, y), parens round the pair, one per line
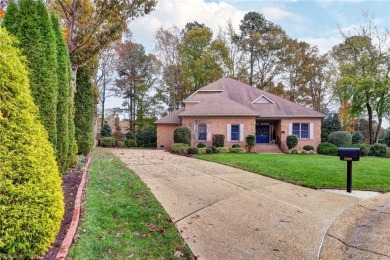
(67, 242)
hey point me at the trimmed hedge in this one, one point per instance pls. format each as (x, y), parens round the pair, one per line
(107, 142)
(182, 134)
(223, 150)
(236, 150)
(250, 140)
(340, 138)
(213, 149)
(292, 141)
(209, 150)
(193, 150)
(236, 146)
(327, 149)
(201, 145)
(308, 148)
(202, 150)
(31, 198)
(179, 148)
(378, 150)
(218, 140)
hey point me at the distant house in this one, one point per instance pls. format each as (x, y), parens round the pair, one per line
(235, 109)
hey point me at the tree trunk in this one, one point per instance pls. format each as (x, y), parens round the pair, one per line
(369, 112)
(378, 130)
(251, 72)
(74, 78)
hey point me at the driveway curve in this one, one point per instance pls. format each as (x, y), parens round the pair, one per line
(228, 213)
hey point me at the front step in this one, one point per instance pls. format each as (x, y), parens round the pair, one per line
(267, 148)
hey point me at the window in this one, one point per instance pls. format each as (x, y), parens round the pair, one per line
(202, 132)
(301, 130)
(235, 133)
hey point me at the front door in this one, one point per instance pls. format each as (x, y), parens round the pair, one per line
(262, 134)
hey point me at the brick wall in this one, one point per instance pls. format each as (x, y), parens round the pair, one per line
(284, 127)
(165, 136)
(218, 125)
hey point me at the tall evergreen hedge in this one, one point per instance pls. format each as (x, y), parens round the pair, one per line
(31, 199)
(84, 107)
(64, 96)
(29, 21)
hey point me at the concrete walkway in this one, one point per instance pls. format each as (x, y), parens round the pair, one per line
(227, 213)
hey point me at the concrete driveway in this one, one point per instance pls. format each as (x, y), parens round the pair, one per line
(227, 213)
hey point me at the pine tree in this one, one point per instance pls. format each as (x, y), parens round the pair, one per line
(29, 21)
(64, 92)
(84, 107)
(30, 186)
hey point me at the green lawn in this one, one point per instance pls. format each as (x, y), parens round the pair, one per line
(314, 171)
(122, 219)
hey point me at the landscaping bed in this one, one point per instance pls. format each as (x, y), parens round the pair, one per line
(314, 171)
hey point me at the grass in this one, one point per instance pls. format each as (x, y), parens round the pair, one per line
(122, 219)
(314, 171)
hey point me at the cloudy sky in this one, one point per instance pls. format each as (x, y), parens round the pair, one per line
(316, 22)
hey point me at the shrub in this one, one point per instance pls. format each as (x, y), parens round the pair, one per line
(327, 149)
(213, 149)
(218, 140)
(237, 150)
(147, 137)
(130, 135)
(179, 148)
(120, 144)
(294, 151)
(209, 150)
(202, 150)
(193, 150)
(364, 148)
(106, 131)
(31, 196)
(357, 138)
(308, 148)
(292, 141)
(84, 110)
(182, 134)
(118, 136)
(223, 149)
(340, 138)
(201, 145)
(236, 146)
(388, 152)
(378, 150)
(385, 137)
(250, 141)
(107, 142)
(130, 143)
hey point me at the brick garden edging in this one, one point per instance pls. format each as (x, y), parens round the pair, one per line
(63, 252)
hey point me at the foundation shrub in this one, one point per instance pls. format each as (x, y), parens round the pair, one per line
(202, 150)
(193, 150)
(182, 134)
(327, 149)
(209, 150)
(250, 142)
(213, 149)
(308, 148)
(292, 141)
(218, 140)
(179, 148)
(201, 145)
(237, 150)
(223, 149)
(130, 143)
(236, 146)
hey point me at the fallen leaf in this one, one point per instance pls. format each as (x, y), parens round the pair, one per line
(178, 254)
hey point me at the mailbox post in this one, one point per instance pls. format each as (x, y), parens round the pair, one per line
(349, 155)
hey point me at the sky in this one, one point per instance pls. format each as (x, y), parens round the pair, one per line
(317, 22)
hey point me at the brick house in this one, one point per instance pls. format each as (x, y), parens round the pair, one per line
(235, 109)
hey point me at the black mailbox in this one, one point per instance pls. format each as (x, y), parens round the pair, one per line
(349, 154)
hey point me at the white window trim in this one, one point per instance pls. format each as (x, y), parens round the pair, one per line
(311, 130)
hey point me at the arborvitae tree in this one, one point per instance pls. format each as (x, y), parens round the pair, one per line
(64, 92)
(84, 107)
(29, 21)
(106, 131)
(31, 197)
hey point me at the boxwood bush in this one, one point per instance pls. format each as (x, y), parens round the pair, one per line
(31, 198)
(182, 134)
(107, 142)
(236, 146)
(201, 145)
(202, 150)
(218, 140)
(378, 150)
(308, 148)
(179, 148)
(236, 150)
(250, 141)
(292, 141)
(340, 138)
(193, 150)
(209, 150)
(327, 149)
(130, 143)
(223, 149)
(213, 149)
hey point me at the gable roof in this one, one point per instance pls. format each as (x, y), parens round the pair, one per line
(218, 105)
(229, 97)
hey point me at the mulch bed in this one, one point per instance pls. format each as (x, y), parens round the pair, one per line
(70, 184)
